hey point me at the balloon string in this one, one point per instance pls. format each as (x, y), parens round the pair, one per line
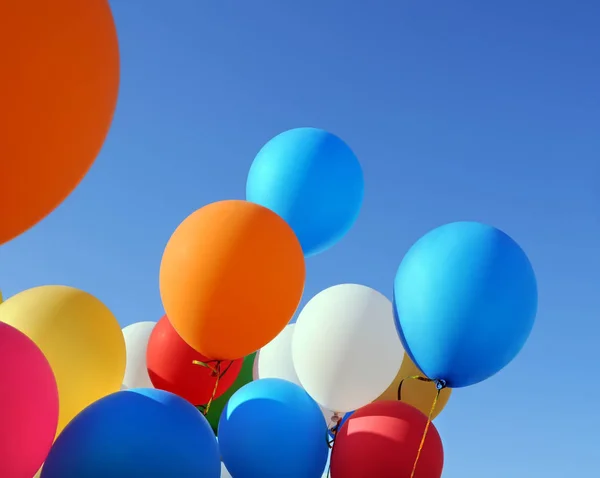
(331, 440)
(216, 371)
(439, 385)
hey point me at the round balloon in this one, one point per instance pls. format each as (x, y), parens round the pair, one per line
(419, 394)
(250, 432)
(28, 405)
(345, 348)
(231, 278)
(312, 179)
(79, 336)
(139, 432)
(465, 302)
(58, 113)
(382, 439)
(136, 343)
(216, 407)
(171, 367)
(274, 360)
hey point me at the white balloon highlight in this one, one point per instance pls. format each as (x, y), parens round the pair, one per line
(136, 343)
(346, 350)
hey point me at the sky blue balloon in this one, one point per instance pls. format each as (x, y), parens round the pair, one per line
(313, 180)
(272, 428)
(136, 433)
(465, 301)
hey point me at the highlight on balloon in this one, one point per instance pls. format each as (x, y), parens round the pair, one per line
(222, 383)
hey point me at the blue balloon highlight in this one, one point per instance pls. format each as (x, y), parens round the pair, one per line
(136, 433)
(272, 428)
(313, 180)
(465, 301)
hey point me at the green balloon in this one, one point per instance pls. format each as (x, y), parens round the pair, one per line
(216, 407)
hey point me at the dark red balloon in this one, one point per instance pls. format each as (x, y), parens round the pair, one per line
(382, 439)
(170, 366)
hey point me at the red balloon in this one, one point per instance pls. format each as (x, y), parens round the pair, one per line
(382, 440)
(170, 367)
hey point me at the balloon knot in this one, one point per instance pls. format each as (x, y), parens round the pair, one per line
(440, 384)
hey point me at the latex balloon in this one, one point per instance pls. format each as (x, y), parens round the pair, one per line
(171, 367)
(312, 179)
(28, 405)
(216, 407)
(274, 360)
(250, 437)
(140, 432)
(79, 336)
(58, 113)
(465, 301)
(136, 343)
(382, 439)
(231, 278)
(345, 349)
(420, 395)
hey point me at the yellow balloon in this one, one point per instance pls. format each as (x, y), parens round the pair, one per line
(79, 336)
(414, 392)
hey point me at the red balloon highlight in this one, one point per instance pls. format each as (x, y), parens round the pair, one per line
(171, 367)
(382, 439)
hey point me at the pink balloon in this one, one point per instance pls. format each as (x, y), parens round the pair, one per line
(28, 405)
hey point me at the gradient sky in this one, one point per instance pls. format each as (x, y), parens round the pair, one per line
(462, 110)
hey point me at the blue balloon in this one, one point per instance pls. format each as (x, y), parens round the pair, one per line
(272, 428)
(313, 180)
(465, 301)
(135, 433)
(344, 419)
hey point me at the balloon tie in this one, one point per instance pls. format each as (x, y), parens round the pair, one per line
(439, 385)
(218, 374)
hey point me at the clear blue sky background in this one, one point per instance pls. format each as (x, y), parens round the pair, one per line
(462, 110)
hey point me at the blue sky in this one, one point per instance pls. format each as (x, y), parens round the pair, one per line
(463, 110)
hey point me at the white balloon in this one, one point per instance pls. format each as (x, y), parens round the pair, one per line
(136, 343)
(274, 360)
(224, 472)
(346, 349)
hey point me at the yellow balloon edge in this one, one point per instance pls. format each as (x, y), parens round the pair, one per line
(415, 393)
(63, 422)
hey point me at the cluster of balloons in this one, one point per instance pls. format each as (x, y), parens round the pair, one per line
(223, 385)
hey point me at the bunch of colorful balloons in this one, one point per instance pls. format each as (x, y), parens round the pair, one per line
(223, 384)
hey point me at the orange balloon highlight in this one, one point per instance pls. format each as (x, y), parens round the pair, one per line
(59, 87)
(231, 277)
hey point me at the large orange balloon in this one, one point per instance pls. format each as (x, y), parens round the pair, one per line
(231, 278)
(59, 86)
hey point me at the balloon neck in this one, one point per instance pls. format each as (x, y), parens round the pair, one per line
(440, 384)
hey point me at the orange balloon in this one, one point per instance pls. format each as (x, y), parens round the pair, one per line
(59, 86)
(231, 277)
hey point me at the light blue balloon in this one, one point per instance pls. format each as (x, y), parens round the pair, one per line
(313, 180)
(272, 428)
(465, 301)
(136, 433)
